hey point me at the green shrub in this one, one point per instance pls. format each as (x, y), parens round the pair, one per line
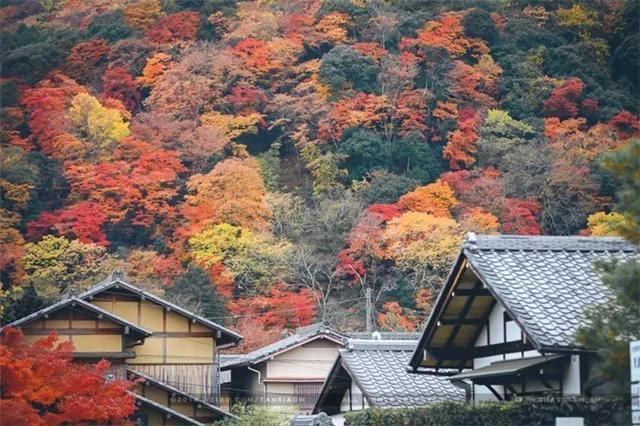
(255, 416)
(543, 412)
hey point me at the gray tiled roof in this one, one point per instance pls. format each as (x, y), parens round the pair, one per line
(546, 282)
(84, 305)
(231, 359)
(117, 280)
(384, 335)
(509, 367)
(379, 368)
(300, 336)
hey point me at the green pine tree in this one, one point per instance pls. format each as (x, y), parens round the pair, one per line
(614, 324)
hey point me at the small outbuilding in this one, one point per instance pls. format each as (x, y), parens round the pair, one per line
(373, 373)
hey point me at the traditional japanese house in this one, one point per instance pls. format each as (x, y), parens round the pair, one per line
(94, 332)
(288, 373)
(373, 373)
(182, 350)
(504, 323)
(170, 351)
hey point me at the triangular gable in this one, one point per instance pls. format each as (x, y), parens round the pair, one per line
(328, 337)
(518, 273)
(116, 282)
(461, 310)
(299, 338)
(85, 307)
(334, 388)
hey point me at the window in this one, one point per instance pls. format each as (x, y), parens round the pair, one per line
(306, 395)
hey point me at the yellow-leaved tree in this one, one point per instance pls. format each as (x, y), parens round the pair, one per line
(253, 259)
(98, 126)
(424, 244)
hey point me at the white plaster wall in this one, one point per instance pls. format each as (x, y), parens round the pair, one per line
(311, 360)
(571, 377)
(338, 419)
(497, 335)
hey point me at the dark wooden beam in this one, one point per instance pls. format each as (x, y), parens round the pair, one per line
(485, 320)
(451, 353)
(472, 292)
(512, 389)
(463, 313)
(463, 321)
(495, 392)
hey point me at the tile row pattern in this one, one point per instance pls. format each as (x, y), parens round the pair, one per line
(381, 373)
(547, 283)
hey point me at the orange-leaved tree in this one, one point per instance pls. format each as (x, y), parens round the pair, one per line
(233, 192)
(42, 386)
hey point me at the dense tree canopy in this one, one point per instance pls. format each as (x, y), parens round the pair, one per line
(268, 162)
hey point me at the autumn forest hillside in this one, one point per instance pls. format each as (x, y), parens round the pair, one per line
(266, 162)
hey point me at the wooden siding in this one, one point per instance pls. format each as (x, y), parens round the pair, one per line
(175, 340)
(194, 379)
(87, 334)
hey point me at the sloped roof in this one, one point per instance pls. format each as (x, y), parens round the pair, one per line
(116, 280)
(299, 337)
(546, 282)
(172, 389)
(384, 335)
(227, 360)
(141, 400)
(75, 302)
(379, 369)
(508, 367)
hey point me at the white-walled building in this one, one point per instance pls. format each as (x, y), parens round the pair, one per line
(504, 323)
(286, 375)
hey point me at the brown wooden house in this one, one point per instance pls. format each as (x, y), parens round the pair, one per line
(173, 351)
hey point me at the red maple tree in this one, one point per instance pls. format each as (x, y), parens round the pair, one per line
(563, 100)
(42, 386)
(462, 142)
(83, 221)
(119, 84)
(280, 308)
(181, 26)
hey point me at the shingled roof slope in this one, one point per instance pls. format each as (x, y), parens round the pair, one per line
(300, 336)
(546, 282)
(141, 400)
(116, 280)
(379, 369)
(175, 391)
(74, 301)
